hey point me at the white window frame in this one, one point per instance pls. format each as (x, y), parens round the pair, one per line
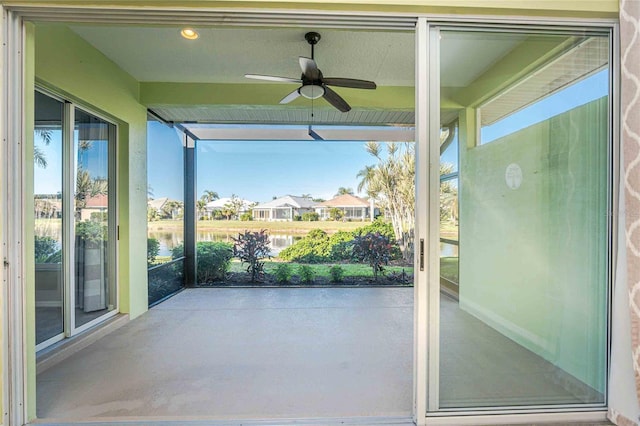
(69, 161)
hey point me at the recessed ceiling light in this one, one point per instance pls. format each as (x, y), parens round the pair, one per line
(189, 33)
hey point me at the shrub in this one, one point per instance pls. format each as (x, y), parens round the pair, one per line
(374, 249)
(153, 248)
(337, 273)
(297, 218)
(335, 213)
(306, 273)
(214, 260)
(91, 232)
(340, 246)
(250, 247)
(46, 249)
(283, 273)
(99, 216)
(380, 226)
(383, 227)
(246, 216)
(313, 248)
(310, 217)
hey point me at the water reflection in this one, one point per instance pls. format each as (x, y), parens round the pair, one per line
(170, 239)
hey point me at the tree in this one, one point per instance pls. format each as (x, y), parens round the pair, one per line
(88, 187)
(172, 209)
(335, 213)
(39, 158)
(448, 196)
(201, 208)
(343, 191)
(391, 182)
(233, 207)
(209, 196)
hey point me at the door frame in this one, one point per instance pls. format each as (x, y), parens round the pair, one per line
(14, 118)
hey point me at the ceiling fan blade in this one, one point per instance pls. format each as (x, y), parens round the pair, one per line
(309, 68)
(273, 78)
(290, 97)
(334, 99)
(349, 82)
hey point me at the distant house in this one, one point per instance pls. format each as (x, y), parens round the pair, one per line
(221, 203)
(165, 207)
(352, 207)
(157, 204)
(95, 204)
(47, 207)
(283, 208)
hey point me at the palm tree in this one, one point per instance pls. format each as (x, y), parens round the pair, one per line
(39, 158)
(201, 208)
(87, 187)
(343, 191)
(448, 195)
(38, 154)
(391, 182)
(209, 196)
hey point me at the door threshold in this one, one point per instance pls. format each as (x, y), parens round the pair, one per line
(48, 357)
(198, 421)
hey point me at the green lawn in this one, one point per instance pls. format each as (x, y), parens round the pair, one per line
(449, 268)
(254, 225)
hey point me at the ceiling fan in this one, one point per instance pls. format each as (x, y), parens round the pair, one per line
(314, 84)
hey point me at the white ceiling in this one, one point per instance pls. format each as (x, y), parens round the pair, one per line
(224, 55)
(476, 53)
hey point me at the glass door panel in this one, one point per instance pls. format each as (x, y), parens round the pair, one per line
(449, 208)
(48, 167)
(528, 326)
(93, 294)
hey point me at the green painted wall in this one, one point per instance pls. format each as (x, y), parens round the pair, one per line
(70, 66)
(67, 63)
(533, 259)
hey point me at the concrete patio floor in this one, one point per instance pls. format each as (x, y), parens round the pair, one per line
(246, 353)
(275, 353)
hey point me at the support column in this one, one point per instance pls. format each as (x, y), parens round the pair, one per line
(190, 262)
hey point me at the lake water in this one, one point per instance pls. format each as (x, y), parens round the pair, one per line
(170, 239)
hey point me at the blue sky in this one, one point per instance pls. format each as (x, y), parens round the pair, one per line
(256, 170)
(48, 180)
(261, 170)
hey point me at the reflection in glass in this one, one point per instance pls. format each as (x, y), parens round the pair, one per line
(528, 324)
(94, 295)
(48, 217)
(165, 210)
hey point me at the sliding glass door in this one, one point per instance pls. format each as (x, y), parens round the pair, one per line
(48, 207)
(94, 291)
(74, 219)
(524, 218)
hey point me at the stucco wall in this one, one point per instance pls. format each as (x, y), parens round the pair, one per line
(533, 259)
(70, 66)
